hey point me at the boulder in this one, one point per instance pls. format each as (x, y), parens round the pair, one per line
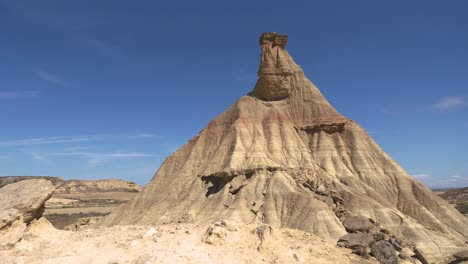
(21, 203)
(384, 252)
(357, 223)
(25, 198)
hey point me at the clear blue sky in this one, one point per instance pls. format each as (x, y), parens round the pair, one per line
(98, 89)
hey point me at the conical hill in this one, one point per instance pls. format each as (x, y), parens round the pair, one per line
(284, 156)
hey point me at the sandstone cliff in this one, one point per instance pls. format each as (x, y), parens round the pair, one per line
(282, 155)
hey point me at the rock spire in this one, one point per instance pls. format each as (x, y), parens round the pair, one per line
(282, 155)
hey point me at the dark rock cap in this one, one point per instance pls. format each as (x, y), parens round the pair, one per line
(274, 38)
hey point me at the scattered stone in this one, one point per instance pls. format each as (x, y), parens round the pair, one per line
(356, 239)
(360, 251)
(395, 243)
(384, 252)
(380, 236)
(217, 233)
(322, 190)
(151, 232)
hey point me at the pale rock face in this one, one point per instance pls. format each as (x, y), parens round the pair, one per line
(263, 159)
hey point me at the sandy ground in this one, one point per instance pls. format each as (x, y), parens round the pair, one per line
(181, 243)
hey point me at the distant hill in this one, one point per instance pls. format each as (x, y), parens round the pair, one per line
(458, 198)
(79, 186)
(106, 185)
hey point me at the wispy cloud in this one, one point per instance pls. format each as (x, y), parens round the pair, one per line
(17, 94)
(143, 136)
(75, 148)
(454, 181)
(102, 47)
(46, 140)
(94, 159)
(448, 103)
(50, 77)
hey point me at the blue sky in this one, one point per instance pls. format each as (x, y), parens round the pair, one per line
(99, 89)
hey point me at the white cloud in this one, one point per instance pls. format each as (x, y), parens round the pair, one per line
(17, 94)
(450, 103)
(422, 176)
(50, 77)
(454, 181)
(143, 136)
(46, 140)
(94, 159)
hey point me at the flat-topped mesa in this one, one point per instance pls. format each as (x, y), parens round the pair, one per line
(277, 69)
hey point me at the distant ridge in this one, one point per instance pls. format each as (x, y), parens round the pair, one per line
(5, 180)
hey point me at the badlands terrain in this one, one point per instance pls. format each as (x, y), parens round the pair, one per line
(458, 198)
(79, 202)
(279, 177)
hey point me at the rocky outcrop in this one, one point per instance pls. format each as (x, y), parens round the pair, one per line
(20, 204)
(283, 156)
(106, 185)
(5, 180)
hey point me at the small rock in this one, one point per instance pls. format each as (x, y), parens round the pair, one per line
(395, 243)
(384, 252)
(230, 225)
(408, 252)
(151, 232)
(356, 239)
(379, 236)
(322, 190)
(360, 251)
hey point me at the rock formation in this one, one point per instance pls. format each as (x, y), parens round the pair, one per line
(21, 203)
(283, 156)
(5, 180)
